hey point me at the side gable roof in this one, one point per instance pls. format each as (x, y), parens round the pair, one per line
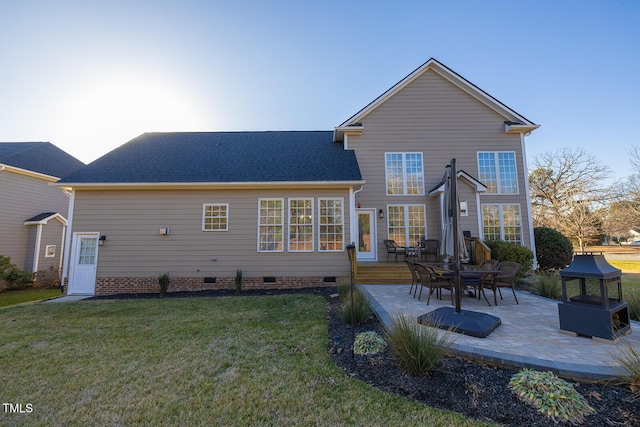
(469, 179)
(40, 157)
(514, 122)
(44, 218)
(222, 157)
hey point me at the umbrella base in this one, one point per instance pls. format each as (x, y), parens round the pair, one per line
(465, 322)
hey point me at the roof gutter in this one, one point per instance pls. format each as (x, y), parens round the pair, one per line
(26, 172)
(202, 185)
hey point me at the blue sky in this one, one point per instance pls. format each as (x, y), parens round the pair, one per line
(89, 76)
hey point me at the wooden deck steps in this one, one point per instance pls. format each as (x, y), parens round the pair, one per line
(371, 273)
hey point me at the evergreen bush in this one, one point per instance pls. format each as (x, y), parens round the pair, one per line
(553, 250)
(506, 251)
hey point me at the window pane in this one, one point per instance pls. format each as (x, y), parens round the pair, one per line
(215, 217)
(300, 225)
(487, 171)
(414, 172)
(416, 224)
(397, 227)
(87, 253)
(508, 178)
(491, 222)
(330, 230)
(271, 225)
(511, 223)
(395, 182)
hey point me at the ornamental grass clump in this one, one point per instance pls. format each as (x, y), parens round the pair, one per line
(417, 349)
(632, 296)
(548, 285)
(361, 308)
(553, 396)
(369, 343)
(629, 360)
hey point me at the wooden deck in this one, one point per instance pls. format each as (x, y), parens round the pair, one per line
(372, 273)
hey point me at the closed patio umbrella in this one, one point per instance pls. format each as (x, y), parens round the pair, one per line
(453, 245)
(467, 322)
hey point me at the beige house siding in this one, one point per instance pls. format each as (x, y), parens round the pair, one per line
(432, 116)
(131, 221)
(23, 197)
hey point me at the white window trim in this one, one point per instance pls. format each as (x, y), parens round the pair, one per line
(497, 163)
(290, 225)
(501, 214)
(204, 209)
(50, 251)
(404, 173)
(260, 200)
(341, 224)
(406, 212)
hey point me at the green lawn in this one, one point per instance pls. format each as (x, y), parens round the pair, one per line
(27, 295)
(201, 361)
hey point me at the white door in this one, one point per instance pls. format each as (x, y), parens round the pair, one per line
(85, 259)
(367, 243)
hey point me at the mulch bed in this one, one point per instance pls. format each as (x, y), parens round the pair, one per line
(473, 389)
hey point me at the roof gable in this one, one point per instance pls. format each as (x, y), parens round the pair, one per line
(41, 157)
(514, 122)
(223, 157)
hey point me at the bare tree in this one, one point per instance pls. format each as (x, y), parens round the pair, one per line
(568, 190)
(624, 214)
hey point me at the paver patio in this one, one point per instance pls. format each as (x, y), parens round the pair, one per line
(528, 336)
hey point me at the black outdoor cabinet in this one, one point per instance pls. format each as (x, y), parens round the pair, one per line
(597, 309)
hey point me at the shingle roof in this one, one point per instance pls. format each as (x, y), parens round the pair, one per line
(41, 157)
(224, 157)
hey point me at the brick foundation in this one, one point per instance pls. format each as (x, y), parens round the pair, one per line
(133, 285)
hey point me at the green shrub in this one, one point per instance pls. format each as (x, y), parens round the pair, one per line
(369, 343)
(549, 285)
(632, 296)
(553, 396)
(361, 308)
(506, 251)
(238, 280)
(553, 250)
(417, 349)
(629, 360)
(18, 279)
(5, 265)
(11, 277)
(163, 282)
(48, 279)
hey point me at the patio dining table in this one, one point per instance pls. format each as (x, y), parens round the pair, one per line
(474, 277)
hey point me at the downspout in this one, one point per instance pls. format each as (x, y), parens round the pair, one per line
(479, 216)
(62, 246)
(532, 240)
(67, 245)
(352, 212)
(36, 252)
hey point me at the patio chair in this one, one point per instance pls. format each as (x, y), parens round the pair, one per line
(506, 279)
(393, 248)
(430, 248)
(433, 281)
(414, 278)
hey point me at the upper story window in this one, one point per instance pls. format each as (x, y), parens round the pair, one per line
(215, 216)
(404, 173)
(497, 170)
